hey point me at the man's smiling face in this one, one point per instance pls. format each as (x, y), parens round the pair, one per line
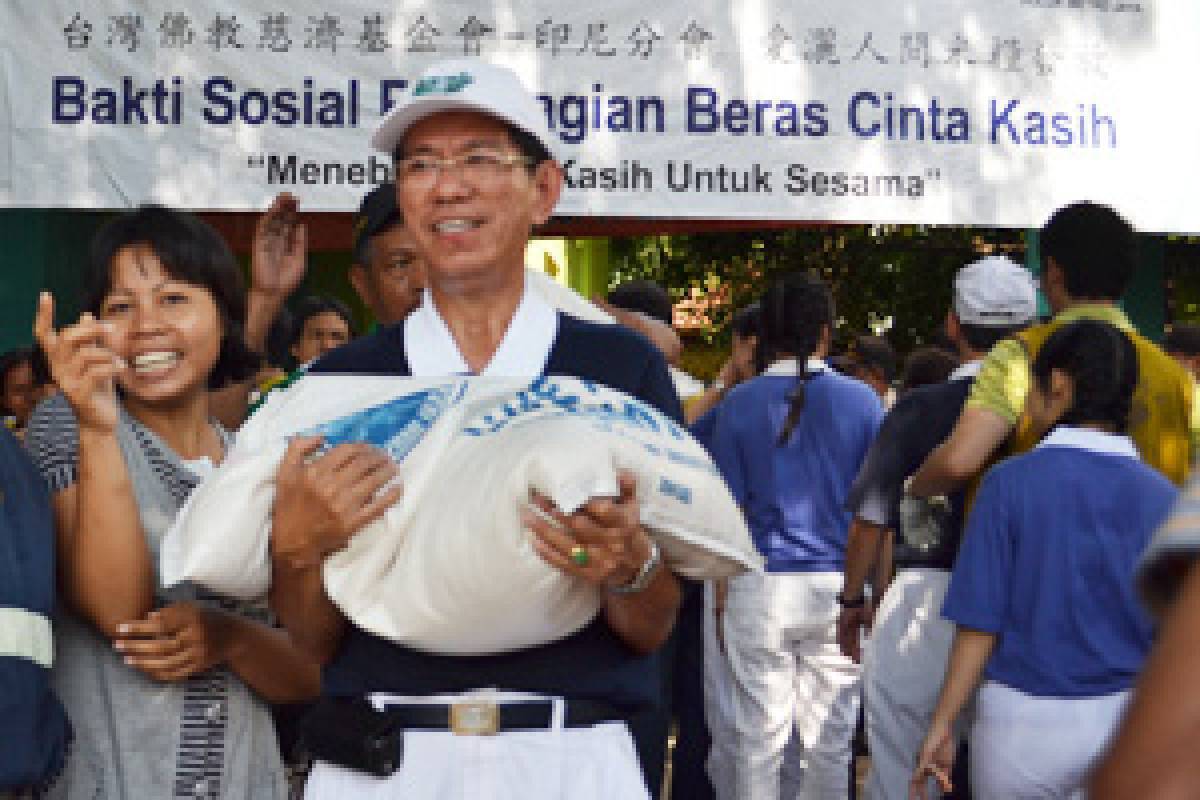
(472, 224)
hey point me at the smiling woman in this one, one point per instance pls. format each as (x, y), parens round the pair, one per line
(172, 262)
(122, 448)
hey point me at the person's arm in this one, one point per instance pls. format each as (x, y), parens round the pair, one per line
(644, 620)
(108, 566)
(298, 598)
(178, 641)
(996, 402)
(617, 546)
(277, 266)
(319, 506)
(105, 565)
(661, 335)
(707, 401)
(885, 567)
(731, 374)
(968, 657)
(1153, 752)
(862, 552)
(977, 434)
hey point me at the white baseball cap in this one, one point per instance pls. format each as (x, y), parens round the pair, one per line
(994, 292)
(465, 84)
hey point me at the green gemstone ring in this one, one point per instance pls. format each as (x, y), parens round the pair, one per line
(580, 555)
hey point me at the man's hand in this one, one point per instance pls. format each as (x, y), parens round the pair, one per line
(320, 503)
(608, 529)
(850, 625)
(279, 249)
(175, 642)
(936, 760)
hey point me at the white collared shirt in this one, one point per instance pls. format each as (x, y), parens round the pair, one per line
(791, 367)
(1112, 444)
(431, 350)
(967, 369)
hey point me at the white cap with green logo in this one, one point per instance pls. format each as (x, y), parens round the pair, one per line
(465, 84)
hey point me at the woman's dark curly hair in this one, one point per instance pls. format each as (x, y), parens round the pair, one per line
(191, 251)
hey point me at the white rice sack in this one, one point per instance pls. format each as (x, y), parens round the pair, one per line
(450, 568)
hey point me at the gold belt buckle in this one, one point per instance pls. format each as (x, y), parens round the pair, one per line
(476, 718)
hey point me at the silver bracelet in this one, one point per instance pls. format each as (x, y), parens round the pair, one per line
(644, 575)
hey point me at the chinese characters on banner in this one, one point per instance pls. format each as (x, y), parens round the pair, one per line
(967, 111)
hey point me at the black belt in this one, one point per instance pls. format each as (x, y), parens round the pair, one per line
(915, 564)
(515, 715)
(353, 734)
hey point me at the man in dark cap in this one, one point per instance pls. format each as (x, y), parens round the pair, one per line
(387, 274)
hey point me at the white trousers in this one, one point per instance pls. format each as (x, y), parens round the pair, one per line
(1024, 746)
(904, 662)
(594, 763)
(790, 680)
(718, 706)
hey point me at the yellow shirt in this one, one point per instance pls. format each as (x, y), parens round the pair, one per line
(1003, 381)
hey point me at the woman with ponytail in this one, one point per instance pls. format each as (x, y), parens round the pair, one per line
(1043, 588)
(789, 443)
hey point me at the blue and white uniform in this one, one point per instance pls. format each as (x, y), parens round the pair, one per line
(1047, 565)
(791, 680)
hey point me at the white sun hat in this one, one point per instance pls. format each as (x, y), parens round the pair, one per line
(465, 84)
(994, 292)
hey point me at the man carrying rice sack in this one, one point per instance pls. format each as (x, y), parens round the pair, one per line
(474, 174)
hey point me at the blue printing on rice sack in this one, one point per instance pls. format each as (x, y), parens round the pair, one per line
(396, 426)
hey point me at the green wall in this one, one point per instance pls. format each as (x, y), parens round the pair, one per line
(589, 266)
(40, 250)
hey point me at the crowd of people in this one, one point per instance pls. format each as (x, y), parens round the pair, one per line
(952, 544)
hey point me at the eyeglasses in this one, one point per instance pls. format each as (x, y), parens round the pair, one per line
(476, 167)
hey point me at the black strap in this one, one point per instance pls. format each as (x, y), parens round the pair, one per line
(520, 715)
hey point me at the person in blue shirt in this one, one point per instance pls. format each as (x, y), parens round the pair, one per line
(1043, 589)
(789, 444)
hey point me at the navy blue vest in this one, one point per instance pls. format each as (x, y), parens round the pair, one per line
(592, 664)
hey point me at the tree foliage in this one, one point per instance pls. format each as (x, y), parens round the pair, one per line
(890, 278)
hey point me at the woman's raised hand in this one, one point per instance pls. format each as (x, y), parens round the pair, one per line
(82, 365)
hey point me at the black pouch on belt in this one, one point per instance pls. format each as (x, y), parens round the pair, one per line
(352, 734)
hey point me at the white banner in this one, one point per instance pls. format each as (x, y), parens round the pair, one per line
(983, 112)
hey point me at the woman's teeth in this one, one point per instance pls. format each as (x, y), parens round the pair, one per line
(456, 226)
(154, 362)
